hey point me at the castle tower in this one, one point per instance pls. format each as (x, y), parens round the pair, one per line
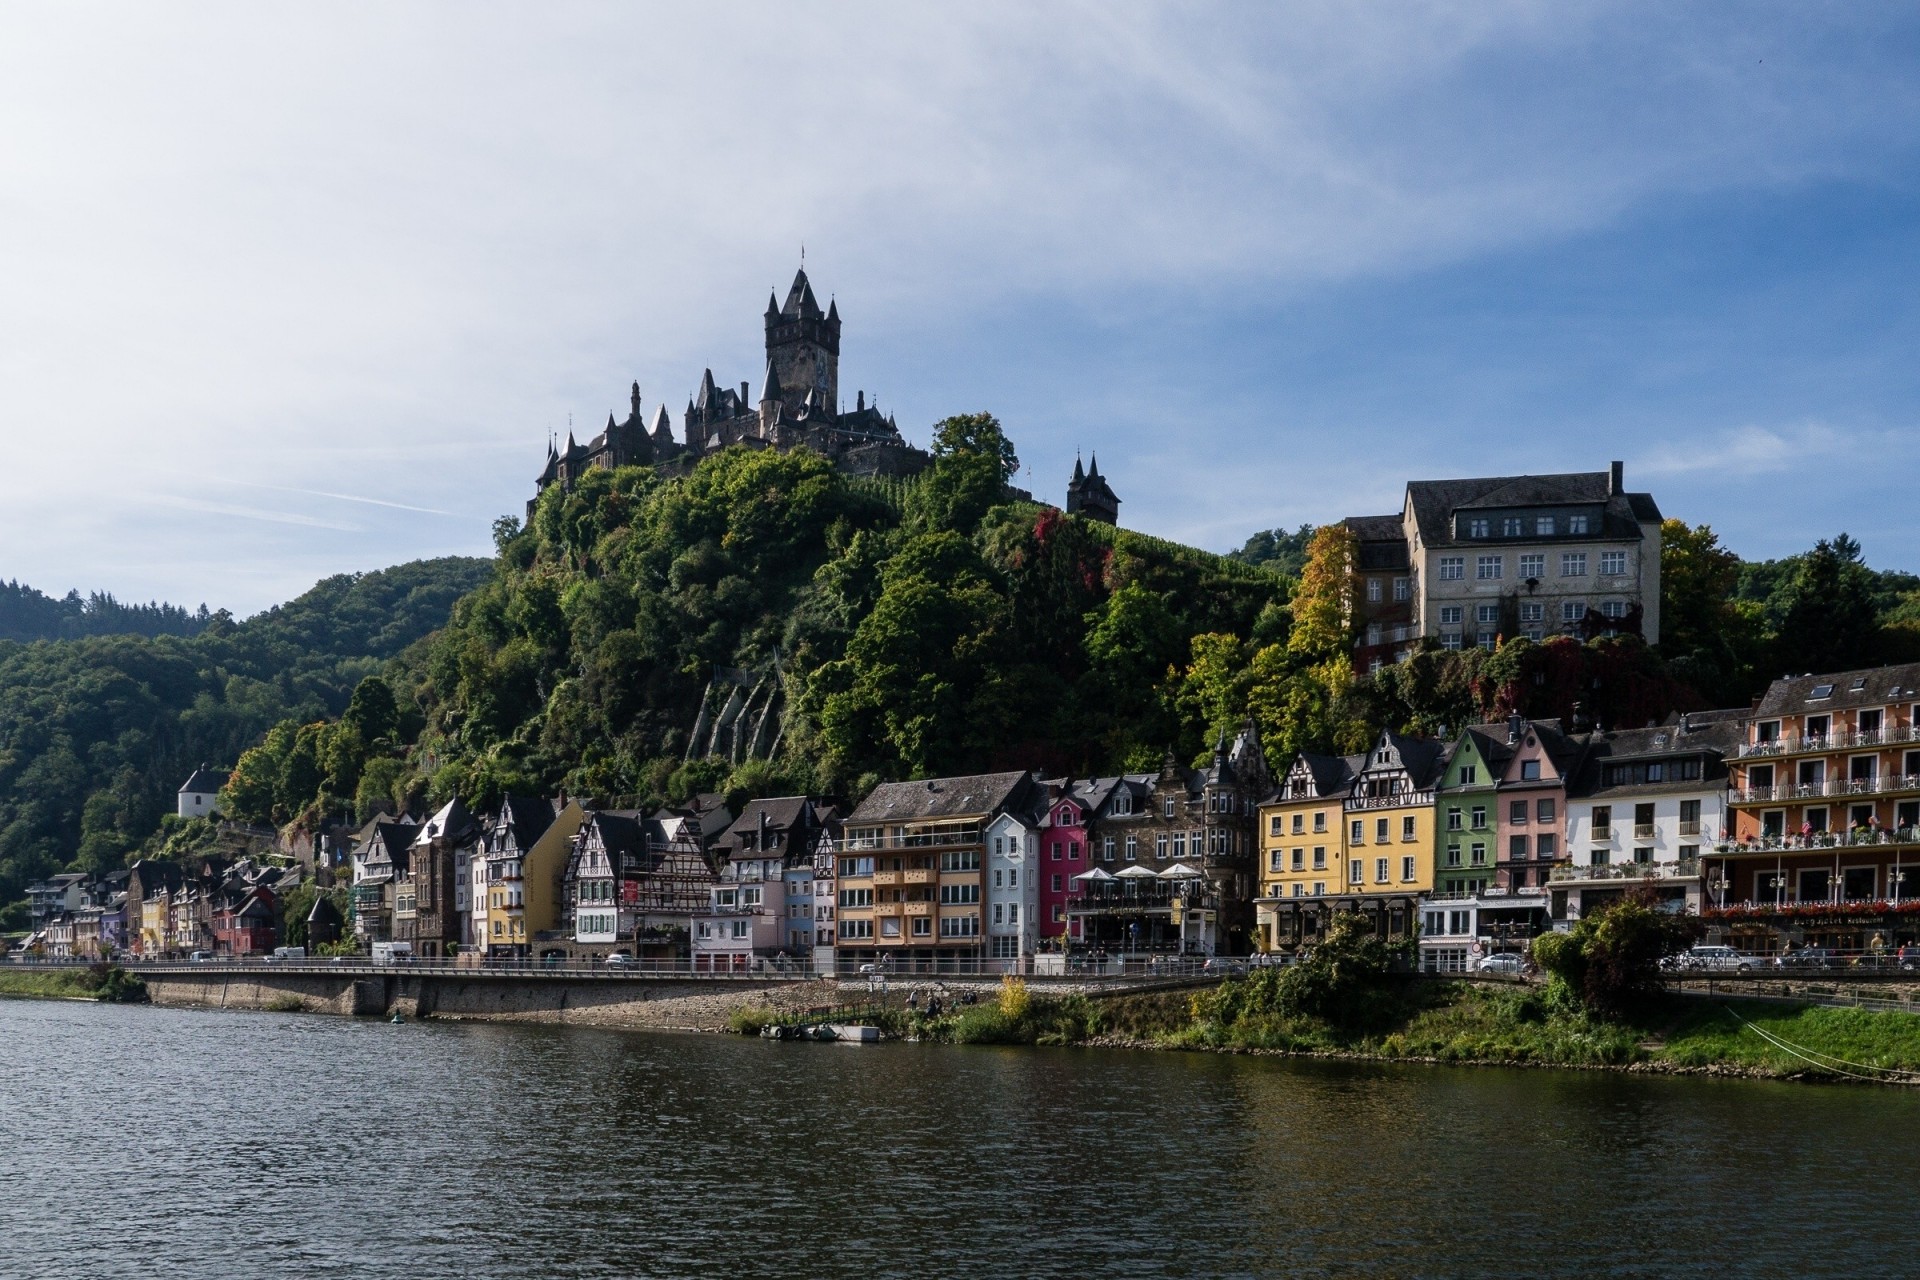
(1089, 494)
(803, 350)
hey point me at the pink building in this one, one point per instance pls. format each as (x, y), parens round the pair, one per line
(1063, 855)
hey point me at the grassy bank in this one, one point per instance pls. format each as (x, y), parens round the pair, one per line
(1462, 1022)
(98, 982)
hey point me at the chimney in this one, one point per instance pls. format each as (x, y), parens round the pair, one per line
(1616, 479)
(743, 393)
(1514, 723)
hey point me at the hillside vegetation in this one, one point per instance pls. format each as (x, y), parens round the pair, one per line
(97, 733)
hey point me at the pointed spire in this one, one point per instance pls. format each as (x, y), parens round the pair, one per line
(636, 400)
(662, 428)
(770, 387)
(773, 306)
(1079, 475)
(610, 423)
(707, 394)
(1093, 468)
(800, 300)
(833, 311)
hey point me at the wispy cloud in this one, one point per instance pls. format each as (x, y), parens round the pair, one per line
(1753, 450)
(239, 512)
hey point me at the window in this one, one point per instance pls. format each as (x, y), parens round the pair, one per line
(1167, 807)
(1297, 890)
(856, 928)
(1615, 609)
(856, 897)
(1320, 819)
(1612, 563)
(1276, 860)
(1402, 590)
(1380, 871)
(1054, 846)
(1546, 846)
(952, 895)
(1299, 822)
(1533, 565)
(1057, 884)
(1603, 821)
(1517, 812)
(1510, 526)
(1373, 591)
(1478, 855)
(1379, 830)
(1358, 832)
(1319, 857)
(1453, 855)
(1407, 827)
(1529, 770)
(1689, 817)
(1573, 610)
(1356, 874)
(1485, 640)
(1486, 614)
(1573, 564)
(1479, 528)
(1106, 849)
(1453, 568)
(1533, 611)
(1160, 845)
(964, 860)
(1577, 524)
(1817, 725)
(1456, 820)
(1406, 867)
(1133, 847)
(1516, 848)
(959, 926)
(1450, 641)
(1274, 824)
(1299, 859)
(1488, 568)
(1544, 811)
(1479, 817)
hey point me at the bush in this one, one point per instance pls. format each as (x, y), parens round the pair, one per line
(1014, 997)
(747, 1020)
(1611, 959)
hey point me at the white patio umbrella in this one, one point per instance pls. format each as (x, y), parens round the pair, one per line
(1180, 871)
(1093, 874)
(1138, 872)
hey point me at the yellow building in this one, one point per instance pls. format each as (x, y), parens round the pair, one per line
(1301, 854)
(1386, 843)
(526, 847)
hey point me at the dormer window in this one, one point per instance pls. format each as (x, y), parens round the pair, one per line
(1820, 691)
(1479, 528)
(1510, 527)
(1543, 527)
(1576, 524)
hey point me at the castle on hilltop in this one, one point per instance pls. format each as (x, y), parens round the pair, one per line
(798, 404)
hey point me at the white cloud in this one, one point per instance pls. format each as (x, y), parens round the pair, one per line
(383, 250)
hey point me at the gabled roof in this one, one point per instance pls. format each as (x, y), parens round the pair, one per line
(1424, 759)
(1714, 740)
(205, 781)
(452, 823)
(986, 793)
(1878, 686)
(1332, 775)
(521, 821)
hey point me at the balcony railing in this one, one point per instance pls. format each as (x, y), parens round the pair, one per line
(1399, 800)
(1643, 831)
(1880, 784)
(918, 840)
(1687, 870)
(1820, 840)
(1802, 744)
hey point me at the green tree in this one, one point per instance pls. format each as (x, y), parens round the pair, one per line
(1828, 618)
(1610, 959)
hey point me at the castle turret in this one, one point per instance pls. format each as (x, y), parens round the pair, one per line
(803, 349)
(1089, 494)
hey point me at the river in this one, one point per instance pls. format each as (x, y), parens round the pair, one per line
(139, 1141)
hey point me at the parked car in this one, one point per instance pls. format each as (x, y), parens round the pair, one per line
(1807, 958)
(1504, 962)
(1225, 965)
(200, 957)
(1718, 959)
(619, 958)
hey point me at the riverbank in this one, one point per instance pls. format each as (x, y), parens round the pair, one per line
(1458, 1023)
(97, 983)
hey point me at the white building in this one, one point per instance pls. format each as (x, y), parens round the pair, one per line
(1643, 806)
(1013, 889)
(200, 794)
(761, 903)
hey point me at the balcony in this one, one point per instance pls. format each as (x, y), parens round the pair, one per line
(887, 879)
(959, 837)
(918, 908)
(922, 876)
(1688, 870)
(1880, 784)
(1399, 800)
(1820, 840)
(888, 908)
(1800, 744)
(1643, 831)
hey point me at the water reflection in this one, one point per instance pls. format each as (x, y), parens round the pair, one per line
(184, 1141)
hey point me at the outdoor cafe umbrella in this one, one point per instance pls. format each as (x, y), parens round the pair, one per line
(1135, 874)
(1094, 873)
(1180, 871)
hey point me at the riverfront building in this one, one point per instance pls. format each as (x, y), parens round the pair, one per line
(1824, 844)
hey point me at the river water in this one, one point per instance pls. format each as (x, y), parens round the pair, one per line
(166, 1142)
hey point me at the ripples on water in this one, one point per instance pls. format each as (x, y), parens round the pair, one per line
(164, 1142)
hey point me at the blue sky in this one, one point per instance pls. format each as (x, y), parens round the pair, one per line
(300, 290)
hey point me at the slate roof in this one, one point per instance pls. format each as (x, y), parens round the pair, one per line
(784, 815)
(452, 823)
(1793, 695)
(942, 797)
(1434, 502)
(523, 818)
(1716, 739)
(205, 781)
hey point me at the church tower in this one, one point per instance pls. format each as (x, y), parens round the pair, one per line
(803, 353)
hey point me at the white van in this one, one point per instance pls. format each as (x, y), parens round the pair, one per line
(392, 952)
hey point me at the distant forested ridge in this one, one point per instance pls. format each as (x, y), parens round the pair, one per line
(27, 615)
(98, 732)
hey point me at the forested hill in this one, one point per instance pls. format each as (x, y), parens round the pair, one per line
(27, 614)
(98, 732)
